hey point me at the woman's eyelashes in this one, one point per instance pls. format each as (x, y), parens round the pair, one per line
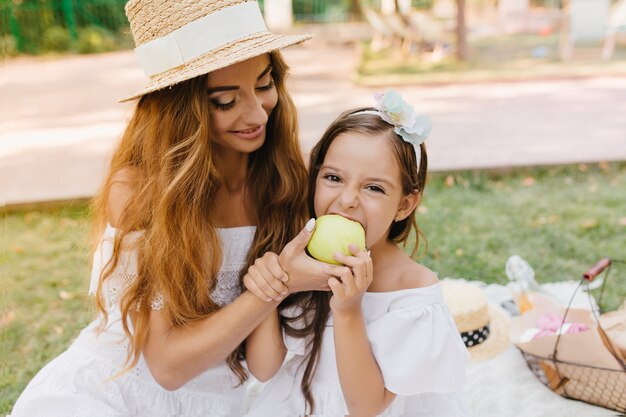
(267, 86)
(223, 106)
(216, 104)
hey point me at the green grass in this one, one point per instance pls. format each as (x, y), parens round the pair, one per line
(511, 57)
(560, 219)
(44, 268)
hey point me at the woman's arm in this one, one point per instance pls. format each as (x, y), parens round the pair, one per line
(176, 354)
(361, 380)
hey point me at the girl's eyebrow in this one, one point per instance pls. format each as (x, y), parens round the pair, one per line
(329, 167)
(373, 179)
(383, 180)
(236, 87)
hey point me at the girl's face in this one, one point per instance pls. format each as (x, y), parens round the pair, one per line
(241, 97)
(360, 180)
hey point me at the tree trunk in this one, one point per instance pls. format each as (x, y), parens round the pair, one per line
(355, 9)
(461, 39)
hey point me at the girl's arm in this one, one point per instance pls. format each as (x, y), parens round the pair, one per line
(361, 380)
(265, 349)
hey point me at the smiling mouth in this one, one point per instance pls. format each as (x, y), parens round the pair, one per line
(253, 133)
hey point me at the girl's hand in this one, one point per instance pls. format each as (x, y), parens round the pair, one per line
(305, 273)
(350, 282)
(265, 278)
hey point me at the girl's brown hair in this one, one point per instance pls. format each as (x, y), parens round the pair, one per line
(168, 148)
(315, 305)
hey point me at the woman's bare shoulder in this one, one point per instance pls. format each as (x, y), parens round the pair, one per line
(120, 193)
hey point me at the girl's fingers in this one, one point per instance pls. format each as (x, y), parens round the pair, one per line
(355, 250)
(263, 285)
(335, 270)
(336, 287)
(367, 261)
(358, 265)
(347, 279)
(252, 287)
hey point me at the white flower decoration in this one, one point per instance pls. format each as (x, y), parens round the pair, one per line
(411, 126)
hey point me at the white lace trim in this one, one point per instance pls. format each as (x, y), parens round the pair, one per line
(236, 243)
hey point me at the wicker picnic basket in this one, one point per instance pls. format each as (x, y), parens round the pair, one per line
(599, 385)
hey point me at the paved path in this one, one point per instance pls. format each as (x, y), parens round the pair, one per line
(60, 119)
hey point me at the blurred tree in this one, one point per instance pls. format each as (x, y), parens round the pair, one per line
(354, 9)
(461, 33)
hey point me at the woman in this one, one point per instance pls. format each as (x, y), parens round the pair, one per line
(208, 177)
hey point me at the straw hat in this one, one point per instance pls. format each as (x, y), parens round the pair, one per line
(177, 40)
(484, 328)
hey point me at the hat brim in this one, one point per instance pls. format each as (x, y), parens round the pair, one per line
(237, 51)
(498, 339)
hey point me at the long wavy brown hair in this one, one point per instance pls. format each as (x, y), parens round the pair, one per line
(168, 147)
(314, 306)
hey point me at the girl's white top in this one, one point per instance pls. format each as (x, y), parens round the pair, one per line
(79, 382)
(416, 345)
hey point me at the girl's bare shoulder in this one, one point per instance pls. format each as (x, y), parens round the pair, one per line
(404, 274)
(414, 275)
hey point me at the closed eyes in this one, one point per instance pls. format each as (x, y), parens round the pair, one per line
(216, 104)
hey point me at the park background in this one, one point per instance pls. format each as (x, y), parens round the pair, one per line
(527, 100)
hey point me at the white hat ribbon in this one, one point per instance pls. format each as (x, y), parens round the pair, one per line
(200, 37)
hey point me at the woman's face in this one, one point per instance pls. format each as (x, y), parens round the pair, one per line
(360, 180)
(241, 98)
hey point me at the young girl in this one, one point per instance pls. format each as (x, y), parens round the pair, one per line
(384, 342)
(206, 178)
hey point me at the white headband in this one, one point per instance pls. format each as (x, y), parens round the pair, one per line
(200, 37)
(411, 127)
(416, 147)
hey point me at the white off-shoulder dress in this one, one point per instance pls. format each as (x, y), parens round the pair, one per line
(418, 349)
(80, 381)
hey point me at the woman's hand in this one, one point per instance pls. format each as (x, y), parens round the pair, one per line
(265, 278)
(350, 282)
(305, 273)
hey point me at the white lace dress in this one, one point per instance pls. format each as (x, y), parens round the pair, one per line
(78, 382)
(416, 345)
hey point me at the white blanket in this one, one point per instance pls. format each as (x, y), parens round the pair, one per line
(504, 386)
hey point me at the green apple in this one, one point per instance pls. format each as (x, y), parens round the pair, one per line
(334, 233)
